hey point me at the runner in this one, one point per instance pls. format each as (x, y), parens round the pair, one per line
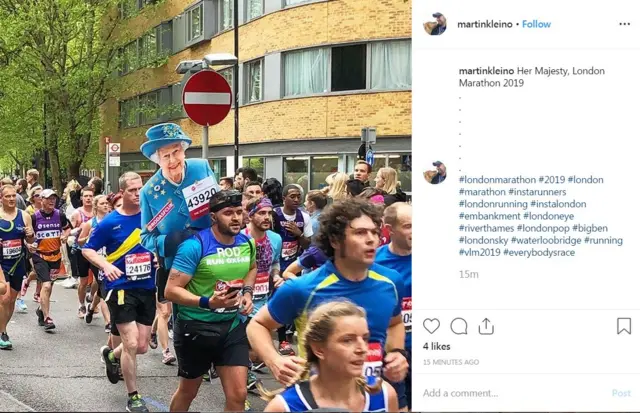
(100, 210)
(35, 205)
(175, 198)
(349, 235)
(268, 250)
(397, 256)
(311, 259)
(160, 332)
(51, 230)
(294, 226)
(15, 228)
(336, 345)
(130, 285)
(211, 281)
(78, 262)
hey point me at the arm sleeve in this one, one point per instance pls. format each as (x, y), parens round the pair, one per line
(188, 257)
(286, 303)
(151, 240)
(98, 238)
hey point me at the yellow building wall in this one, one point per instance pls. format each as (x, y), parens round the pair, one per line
(314, 24)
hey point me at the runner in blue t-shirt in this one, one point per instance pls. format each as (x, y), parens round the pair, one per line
(397, 256)
(349, 235)
(129, 277)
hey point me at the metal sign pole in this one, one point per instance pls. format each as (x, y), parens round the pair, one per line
(205, 142)
(106, 166)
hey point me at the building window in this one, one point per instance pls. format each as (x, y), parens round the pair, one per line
(219, 168)
(195, 26)
(349, 67)
(254, 9)
(149, 107)
(294, 2)
(400, 162)
(129, 113)
(130, 57)
(148, 47)
(321, 168)
(306, 72)
(296, 171)
(391, 65)
(255, 163)
(226, 15)
(253, 81)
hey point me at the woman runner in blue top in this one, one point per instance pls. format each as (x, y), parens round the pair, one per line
(336, 342)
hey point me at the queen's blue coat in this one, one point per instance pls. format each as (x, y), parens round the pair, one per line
(156, 194)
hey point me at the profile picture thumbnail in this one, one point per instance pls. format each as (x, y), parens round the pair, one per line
(437, 175)
(436, 28)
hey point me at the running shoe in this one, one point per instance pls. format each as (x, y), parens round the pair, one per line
(153, 341)
(21, 306)
(252, 380)
(286, 349)
(257, 366)
(25, 287)
(111, 367)
(136, 404)
(206, 377)
(48, 324)
(40, 315)
(70, 283)
(88, 298)
(247, 406)
(88, 317)
(36, 298)
(82, 311)
(167, 357)
(213, 373)
(107, 328)
(5, 342)
(170, 334)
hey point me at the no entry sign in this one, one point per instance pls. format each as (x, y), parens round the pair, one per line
(207, 98)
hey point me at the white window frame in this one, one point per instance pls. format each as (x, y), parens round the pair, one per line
(189, 35)
(247, 8)
(221, 10)
(247, 81)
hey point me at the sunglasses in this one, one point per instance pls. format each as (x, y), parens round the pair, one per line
(230, 199)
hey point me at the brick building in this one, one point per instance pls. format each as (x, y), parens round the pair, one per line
(312, 74)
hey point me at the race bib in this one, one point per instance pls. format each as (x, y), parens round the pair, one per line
(55, 233)
(138, 266)
(197, 197)
(406, 313)
(289, 249)
(261, 287)
(12, 248)
(373, 365)
(224, 286)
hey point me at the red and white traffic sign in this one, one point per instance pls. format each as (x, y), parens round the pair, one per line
(114, 149)
(207, 98)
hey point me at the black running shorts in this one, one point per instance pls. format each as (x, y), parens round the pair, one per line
(43, 268)
(126, 306)
(79, 264)
(199, 344)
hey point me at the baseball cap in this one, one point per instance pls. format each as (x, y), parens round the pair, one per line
(436, 15)
(436, 164)
(48, 193)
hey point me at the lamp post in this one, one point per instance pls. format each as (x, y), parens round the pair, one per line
(194, 66)
(236, 89)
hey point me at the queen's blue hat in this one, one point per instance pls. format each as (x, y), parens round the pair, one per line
(162, 135)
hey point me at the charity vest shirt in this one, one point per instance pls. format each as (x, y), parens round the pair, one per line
(48, 230)
(213, 266)
(402, 264)
(290, 244)
(380, 294)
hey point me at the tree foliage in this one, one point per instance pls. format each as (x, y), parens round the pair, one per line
(58, 59)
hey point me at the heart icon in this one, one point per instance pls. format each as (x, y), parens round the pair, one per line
(431, 325)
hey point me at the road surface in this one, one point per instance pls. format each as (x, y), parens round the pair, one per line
(62, 371)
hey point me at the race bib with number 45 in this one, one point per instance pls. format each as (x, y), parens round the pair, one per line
(197, 197)
(138, 266)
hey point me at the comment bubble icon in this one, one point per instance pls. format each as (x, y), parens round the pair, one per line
(459, 326)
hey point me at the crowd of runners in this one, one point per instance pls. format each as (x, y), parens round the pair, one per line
(242, 275)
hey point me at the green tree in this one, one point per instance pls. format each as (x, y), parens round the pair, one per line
(57, 64)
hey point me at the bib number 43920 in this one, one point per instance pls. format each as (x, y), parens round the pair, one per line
(197, 197)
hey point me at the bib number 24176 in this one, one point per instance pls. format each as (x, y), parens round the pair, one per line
(138, 266)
